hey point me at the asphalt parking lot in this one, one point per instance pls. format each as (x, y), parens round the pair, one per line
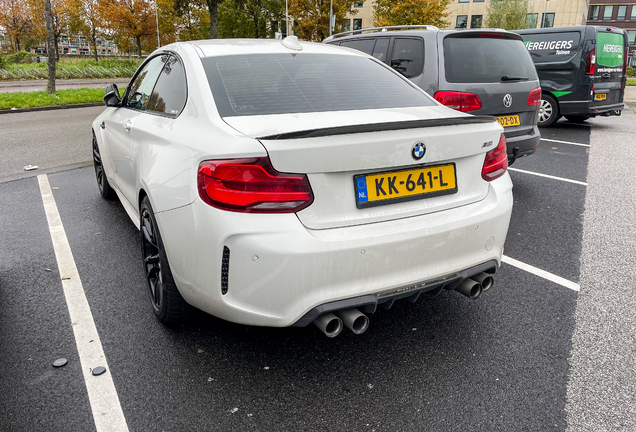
(524, 356)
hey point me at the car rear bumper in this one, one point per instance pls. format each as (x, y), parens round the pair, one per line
(611, 109)
(279, 270)
(527, 143)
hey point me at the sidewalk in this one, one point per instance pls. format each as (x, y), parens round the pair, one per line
(630, 95)
(40, 85)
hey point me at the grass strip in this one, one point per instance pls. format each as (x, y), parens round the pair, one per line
(42, 98)
(630, 82)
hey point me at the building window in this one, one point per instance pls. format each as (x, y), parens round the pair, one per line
(475, 21)
(633, 17)
(462, 21)
(463, 1)
(357, 4)
(594, 10)
(347, 26)
(631, 35)
(357, 24)
(607, 13)
(532, 20)
(622, 11)
(478, 1)
(548, 20)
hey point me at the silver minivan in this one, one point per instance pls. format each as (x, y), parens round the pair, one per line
(480, 71)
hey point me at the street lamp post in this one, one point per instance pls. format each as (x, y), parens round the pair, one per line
(330, 17)
(157, 18)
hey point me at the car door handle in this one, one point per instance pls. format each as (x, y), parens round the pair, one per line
(606, 76)
(127, 125)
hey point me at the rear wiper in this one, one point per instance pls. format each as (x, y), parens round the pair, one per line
(513, 78)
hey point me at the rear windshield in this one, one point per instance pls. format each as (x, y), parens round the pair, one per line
(486, 60)
(259, 84)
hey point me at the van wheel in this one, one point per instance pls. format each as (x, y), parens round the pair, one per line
(548, 111)
(577, 119)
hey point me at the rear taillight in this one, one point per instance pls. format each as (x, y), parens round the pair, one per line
(496, 162)
(459, 101)
(252, 186)
(491, 34)
(534, 98)
(591, 62)
(625, 62)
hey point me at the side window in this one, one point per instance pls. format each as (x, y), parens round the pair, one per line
(408, 57)
(141, 87)
(381, 49)
(364, 45)
(169, 95)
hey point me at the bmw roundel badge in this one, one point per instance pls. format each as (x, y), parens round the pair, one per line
(418, 150)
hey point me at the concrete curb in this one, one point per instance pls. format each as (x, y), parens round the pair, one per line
(51, 170)
(49, 108)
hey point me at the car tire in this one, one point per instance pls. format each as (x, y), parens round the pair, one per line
(102, 182)
(577, 119)
(167, 303)
(548, 111)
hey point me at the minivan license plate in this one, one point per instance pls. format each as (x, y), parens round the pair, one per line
(600, 96)
(405, 185)
(506, 121)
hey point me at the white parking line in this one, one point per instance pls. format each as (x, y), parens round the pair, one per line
(102, 395)
(565, 142)
(541, 273)
(548, 176)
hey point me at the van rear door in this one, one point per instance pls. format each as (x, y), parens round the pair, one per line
(608, 72)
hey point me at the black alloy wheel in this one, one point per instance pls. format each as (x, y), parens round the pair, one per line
(165, 298)
(102, 182)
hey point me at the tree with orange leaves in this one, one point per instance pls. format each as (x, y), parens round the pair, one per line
(85, 17)
(410, 12)
(130, 18)
(312, 17)
(59, 18)
(16, 20)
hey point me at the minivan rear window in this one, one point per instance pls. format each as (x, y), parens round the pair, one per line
(486, 60)
(245, 85)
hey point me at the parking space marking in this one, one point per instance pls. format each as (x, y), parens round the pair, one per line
(565, 142)
(547, 176)
(541, 273)
(102, 395)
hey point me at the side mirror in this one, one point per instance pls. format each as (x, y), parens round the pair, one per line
(111, 96)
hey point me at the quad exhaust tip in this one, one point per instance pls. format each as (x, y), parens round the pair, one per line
(485, 280)
(470, 288)
(329, 324)
(354, 320)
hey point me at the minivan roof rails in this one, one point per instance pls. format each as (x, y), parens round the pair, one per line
(383, 29)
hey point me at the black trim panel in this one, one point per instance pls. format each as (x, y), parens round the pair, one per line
(379, 127)
(369, 303)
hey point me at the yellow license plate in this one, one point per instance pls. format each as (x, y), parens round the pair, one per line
(405, 185)
(506, 121)
(600, 96)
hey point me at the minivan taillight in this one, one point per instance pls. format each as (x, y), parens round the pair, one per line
(534, 98)
(591, 62)
(496, 162)
(459, 101)
(625, 62)
(252, 186)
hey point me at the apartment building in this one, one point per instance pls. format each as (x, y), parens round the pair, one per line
(472, 13)
(617, 13)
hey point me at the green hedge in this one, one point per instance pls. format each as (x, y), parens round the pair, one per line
(71, 68)
(631, 72)
(21, 57)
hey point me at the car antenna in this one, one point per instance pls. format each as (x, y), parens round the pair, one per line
(291, 42)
